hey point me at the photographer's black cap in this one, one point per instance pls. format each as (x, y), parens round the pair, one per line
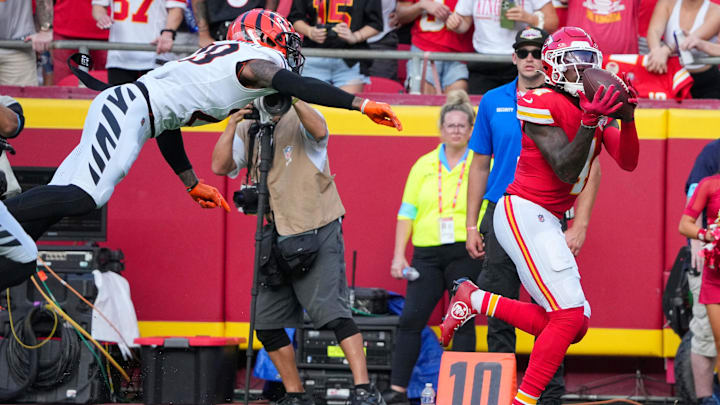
(530, 36)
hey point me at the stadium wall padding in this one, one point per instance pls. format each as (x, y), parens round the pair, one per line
(190, 269)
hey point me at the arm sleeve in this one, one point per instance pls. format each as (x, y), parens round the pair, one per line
(699, 200)
(172, 148)
(17, 109)
(408, 208)
(623, 145)
(373, 15)
(464, 7)
(176, 4)
(239, 156)
(298, 12)
(480, 138)
(311, 90)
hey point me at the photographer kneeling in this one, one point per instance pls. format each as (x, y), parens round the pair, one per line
(306, 213)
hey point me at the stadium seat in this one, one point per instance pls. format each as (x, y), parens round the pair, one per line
(382, 85)
(72, 81)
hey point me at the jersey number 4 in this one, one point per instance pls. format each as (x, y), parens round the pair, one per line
(121, 10)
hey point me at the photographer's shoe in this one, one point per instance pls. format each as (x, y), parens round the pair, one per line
(459, 311)
(393, 397)
(361, 396)
(296, 399)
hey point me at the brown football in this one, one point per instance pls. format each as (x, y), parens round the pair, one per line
(594, 78)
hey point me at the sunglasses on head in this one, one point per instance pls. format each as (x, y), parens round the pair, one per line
(523, 53)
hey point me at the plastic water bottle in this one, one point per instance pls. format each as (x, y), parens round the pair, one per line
(428, 395)
(410, 273)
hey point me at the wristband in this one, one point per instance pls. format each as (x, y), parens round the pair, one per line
(590, 121)
(174, 33)
(471, 228)
(189, 189)
(541, 19)
(701, 234)
(364, 103)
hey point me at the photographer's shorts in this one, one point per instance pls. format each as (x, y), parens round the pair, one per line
(322, 291)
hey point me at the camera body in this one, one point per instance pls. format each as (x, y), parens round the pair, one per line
(267, 107)
(331, 34)
(246, 199)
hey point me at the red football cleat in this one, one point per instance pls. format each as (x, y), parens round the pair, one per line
(459, 312)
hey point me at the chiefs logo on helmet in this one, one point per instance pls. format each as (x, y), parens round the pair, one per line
(570, 49)
(271, 30)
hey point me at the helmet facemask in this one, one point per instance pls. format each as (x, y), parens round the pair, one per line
(294, 57)
(577, 57)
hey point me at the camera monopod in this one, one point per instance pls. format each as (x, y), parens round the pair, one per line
(265, 133)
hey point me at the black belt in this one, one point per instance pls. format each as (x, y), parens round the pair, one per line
(146, 95)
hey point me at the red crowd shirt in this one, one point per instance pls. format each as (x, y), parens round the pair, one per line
(613, 24)
(535, 180)
(644, 15)
(73, 18)
(431, 35)
(675, 83)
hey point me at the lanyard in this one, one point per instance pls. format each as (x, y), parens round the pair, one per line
(457, 191)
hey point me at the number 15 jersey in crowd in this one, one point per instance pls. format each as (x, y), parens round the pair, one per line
(535, 180)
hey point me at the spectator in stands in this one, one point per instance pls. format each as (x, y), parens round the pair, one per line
(155, 25)
(326, 24)
(613, 24)
(435, 219)
(644, 15)
(18, 67)
(429, 34)
(700, 18)
(213, 17)
(491, 38)
(497, 134)
(73, 21)
(387, 40)
(300, 172)
(703, 350)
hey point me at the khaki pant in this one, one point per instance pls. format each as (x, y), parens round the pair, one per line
(702, 342)
(18, 67)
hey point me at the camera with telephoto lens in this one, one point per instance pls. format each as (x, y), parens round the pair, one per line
(246, 199)
(267, 107)
(331, 33)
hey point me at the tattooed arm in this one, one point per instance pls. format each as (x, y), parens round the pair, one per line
(264, 74)
(200, 10)
(44, 19)
(566, 158)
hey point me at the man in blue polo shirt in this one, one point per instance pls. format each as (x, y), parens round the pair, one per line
(497, 135)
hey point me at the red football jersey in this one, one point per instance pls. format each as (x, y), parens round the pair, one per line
(676, 83)
(431, 35)
(535, 180)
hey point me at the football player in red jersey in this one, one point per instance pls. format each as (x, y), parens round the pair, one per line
(562, 134)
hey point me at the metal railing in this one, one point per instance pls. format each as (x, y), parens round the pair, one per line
(85, 46)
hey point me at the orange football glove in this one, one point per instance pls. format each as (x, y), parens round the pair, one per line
(380, 113)
(208, 196)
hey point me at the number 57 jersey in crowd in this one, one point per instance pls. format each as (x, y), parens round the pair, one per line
(203, 87)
